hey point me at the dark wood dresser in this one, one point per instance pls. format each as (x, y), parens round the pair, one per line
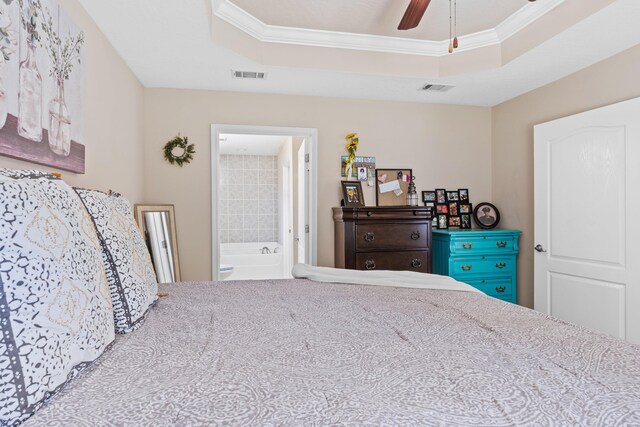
(383, 238)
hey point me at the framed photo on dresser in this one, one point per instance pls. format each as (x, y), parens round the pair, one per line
(463, 194)
(429, 196)
(453, 196)
(352, 194)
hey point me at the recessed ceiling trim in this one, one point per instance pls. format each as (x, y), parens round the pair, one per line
(524, 17)
(251, 25)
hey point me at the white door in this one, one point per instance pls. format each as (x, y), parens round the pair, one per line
(286, 232)
(587, 234)
(302, 237)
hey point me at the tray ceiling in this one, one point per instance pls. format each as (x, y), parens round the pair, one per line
(185, 45)
(381, 17)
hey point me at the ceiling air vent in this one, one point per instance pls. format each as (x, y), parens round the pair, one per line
(256, 75)
(437, 88)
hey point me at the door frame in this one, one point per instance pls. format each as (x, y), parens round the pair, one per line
(311, 134)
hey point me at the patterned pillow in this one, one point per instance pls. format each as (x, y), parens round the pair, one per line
(56, 314)
(126, 259)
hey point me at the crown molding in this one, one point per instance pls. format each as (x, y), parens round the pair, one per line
(524, 17)
(257, 29)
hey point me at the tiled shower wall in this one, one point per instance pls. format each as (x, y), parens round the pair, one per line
(248, 199)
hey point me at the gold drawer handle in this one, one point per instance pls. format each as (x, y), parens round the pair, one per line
(415, 235)
(501, 289)
(501, 244)
(369, 237)
(416, 263)
(501, 265)
(467, 245)
(466, 267)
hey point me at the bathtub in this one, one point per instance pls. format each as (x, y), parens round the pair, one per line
(249, 262)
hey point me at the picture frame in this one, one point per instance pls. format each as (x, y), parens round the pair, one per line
(453, 196)
(396, 197)
(463, 195)
(443, 221)
(454, 221)
(441, 196)
(55, 141)
(352, 194)
(486, 215)
(465, 208)
(428, 196)
(442, 209)
(362, 173)
(453, 209)
(465, 221)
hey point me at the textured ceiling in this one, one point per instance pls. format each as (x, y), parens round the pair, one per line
(380, 17)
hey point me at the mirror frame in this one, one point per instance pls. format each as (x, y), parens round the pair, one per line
(139, 211)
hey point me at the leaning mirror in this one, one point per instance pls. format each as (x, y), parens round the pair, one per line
(158, 226)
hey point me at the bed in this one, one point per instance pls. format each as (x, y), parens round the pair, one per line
(86, 340)
(305, 352)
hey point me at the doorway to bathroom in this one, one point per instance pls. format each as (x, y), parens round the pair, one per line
(263, 201)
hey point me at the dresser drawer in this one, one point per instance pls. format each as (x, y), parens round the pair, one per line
(394, 214)
(411, 261)
(501, 288)
(391, 236)
(470, 245)
(482, 265)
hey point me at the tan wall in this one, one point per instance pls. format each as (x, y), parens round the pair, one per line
(608, 82)
(447, 146)
(114, 106)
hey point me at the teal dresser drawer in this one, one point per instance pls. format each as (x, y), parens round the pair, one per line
(472, 245)
(501, 288)
(485, 259)
(465, 266)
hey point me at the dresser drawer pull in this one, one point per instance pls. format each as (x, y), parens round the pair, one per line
(466, 267)
(501, 265)
(369, 237)
(501, 289)
(501, 244)
(369, 213)
(415, 235)
(416, 263)
(467, 245)
(370, 264)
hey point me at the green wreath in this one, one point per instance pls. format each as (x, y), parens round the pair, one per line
(188, 150)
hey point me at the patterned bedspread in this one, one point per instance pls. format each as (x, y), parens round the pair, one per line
(298, 352)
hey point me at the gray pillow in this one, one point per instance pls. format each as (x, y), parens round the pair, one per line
(132, 280)
(56, 315)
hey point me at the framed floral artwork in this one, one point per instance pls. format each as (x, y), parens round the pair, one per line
(42, 105)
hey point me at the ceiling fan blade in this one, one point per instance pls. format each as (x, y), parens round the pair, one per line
(413, 14)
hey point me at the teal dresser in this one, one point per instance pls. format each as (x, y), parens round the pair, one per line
(485, 259)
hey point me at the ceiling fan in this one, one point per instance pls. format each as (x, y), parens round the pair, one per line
(414, 13)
